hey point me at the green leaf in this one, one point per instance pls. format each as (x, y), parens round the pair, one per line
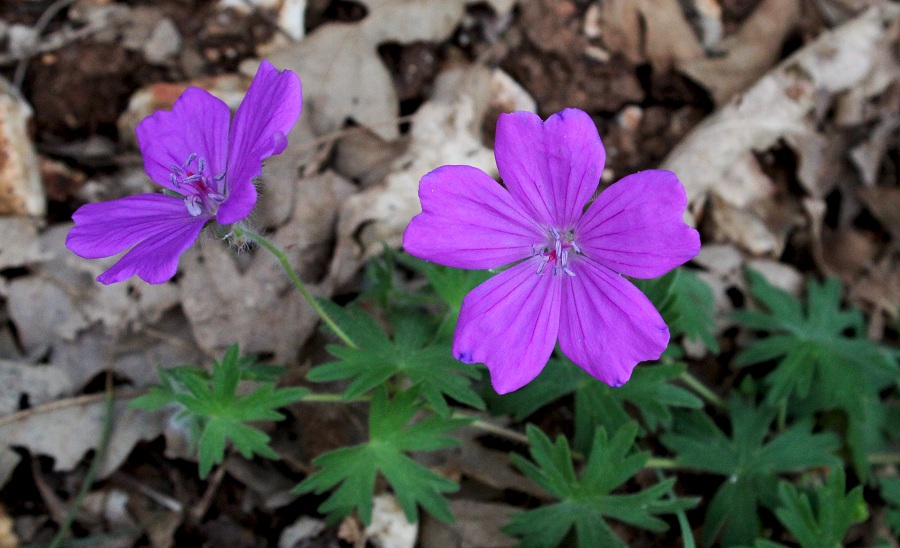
(213, 410)
(650, 392)
(823, 517)
(686, 303)
(890, 492)
(411, 354)
(749, 461)
(586, 500)
(352, 471)
(822, 356)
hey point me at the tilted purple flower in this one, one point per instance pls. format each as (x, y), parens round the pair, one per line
(207, 167)
(565, 283)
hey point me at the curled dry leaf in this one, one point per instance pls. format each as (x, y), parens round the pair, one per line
(748, 54)
(445, 130)
(778, 104)
(648, 30)
(67, 429)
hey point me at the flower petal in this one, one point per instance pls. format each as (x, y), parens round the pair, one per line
(197, 124)
(158, 227)
(551, 168)
(636, 226)
(261, 124)
(468, 221)
(510, 323)
(608, 325)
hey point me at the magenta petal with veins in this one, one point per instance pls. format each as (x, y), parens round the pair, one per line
(565, 283)
(206, 162)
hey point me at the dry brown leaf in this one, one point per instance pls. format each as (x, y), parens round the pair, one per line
(40, 383)
(67, 429)
(255, 304)
(884, 204)
(91, 327)
(19, 244)
(779, 103)
(343, 76)
(476, 525)
(821, 160)
(869, 155)
(749, 53)
(648, 30)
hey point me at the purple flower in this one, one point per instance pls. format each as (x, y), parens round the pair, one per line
(565, 283)
(207, 169)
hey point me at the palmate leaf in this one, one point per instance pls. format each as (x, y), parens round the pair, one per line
(818, 361)
(686, 303)
(650, 392)
(823, 517)
(353, 470)
(749, 461)
(585, 500)
(411, 353)
(215, 411)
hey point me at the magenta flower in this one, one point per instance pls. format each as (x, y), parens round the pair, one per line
(207, 169)
(565, 283)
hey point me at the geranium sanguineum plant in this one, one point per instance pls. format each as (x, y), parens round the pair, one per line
(205, 161)
(565, 281)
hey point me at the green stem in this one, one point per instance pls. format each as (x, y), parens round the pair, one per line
(702, 390)
(884, 458)
(659, 463)
(93, 470)
(285, 263)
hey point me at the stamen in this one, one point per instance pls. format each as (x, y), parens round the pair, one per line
(189, 160)
(193, 205)
(174, 179)
(201, 163)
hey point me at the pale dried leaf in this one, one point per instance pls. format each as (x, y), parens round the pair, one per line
(40, 383)
(389, 528)
(21, 190)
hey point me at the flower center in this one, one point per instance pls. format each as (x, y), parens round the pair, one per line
(557, 252)
(202, 194)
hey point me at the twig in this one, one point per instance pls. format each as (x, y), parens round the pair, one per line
(161, 499)
(702, 390)
(39, 27)
(69, 402)
(202, 507)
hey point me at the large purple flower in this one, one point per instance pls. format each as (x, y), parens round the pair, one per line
(207, 169)
(566, 284)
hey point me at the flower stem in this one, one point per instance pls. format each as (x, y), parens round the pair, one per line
(285, 263)
(702, 390)
(660, 463)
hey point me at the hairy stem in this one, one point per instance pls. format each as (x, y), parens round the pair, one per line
(298, 283)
